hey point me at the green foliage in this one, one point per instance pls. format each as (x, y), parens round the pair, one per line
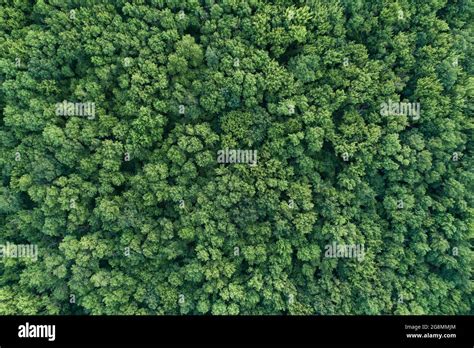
(131, 211)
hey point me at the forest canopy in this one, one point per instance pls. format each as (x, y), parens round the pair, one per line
(236, 157)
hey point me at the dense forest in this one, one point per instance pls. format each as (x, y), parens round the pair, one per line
(236, 157)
